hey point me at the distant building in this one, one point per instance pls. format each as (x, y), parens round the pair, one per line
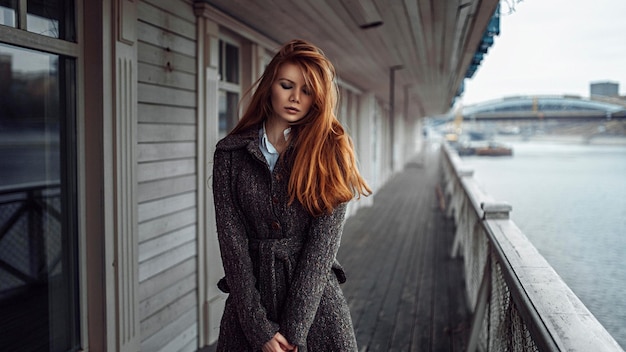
(605, 89)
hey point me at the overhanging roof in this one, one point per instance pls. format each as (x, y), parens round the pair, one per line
(434, 40)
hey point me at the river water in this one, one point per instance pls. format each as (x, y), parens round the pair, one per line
(570, 201)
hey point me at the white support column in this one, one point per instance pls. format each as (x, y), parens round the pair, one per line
(416, 142)
(210, 270)
(124, 314)
(398, 141)
(383, 169)
(366, 144)
(408, 147)
(353, 114)
(202, 179)
(411, 128)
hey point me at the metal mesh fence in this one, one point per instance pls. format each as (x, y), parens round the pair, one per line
(508, 331)
(503, 328)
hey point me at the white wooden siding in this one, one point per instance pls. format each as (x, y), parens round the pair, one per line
(168, 279)
(165, 95)
(169, 322)
(159, 208)
(165, 224)
(165, 114)
(167, 175)
(162, 244)
(166, 187)
(155, 55)
(167, 168)
(165, 151)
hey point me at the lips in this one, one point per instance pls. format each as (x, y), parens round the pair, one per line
(292, 109)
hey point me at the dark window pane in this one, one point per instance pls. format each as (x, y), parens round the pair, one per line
(229, 62)
(38, 253)
(52, 18)
(232, 63)
(228, 115)
(8, 12)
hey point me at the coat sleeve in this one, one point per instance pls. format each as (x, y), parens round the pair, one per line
(236, 259)
(311, 276)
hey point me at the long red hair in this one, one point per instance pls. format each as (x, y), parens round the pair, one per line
(325, 172)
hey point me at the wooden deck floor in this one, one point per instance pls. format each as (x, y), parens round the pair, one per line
(405, 292)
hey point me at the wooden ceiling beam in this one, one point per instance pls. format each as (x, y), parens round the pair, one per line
(434, 40)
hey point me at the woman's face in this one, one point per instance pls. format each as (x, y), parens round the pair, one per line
(291, 98)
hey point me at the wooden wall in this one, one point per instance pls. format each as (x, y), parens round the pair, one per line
(166, 174)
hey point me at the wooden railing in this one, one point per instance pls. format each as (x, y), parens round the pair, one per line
(518, 301)
(30, 234)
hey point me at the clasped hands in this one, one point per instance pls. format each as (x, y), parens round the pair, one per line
(279, 343)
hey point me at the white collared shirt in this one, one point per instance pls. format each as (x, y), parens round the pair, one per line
(269, 152)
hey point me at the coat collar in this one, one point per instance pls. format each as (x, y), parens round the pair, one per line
(248, 139)
(240, 140)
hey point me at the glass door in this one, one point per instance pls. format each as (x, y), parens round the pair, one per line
(39, 305)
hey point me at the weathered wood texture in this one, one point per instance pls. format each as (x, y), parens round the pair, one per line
(404, 291)
(166, 174)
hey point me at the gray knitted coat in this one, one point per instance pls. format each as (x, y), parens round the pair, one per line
(281, 271)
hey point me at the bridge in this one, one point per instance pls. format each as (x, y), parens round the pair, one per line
(554, 115)
(544, 107)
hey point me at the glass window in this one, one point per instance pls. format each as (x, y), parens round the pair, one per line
(8, 14)
(229, 62)
(229, 86)
(38, 235)
(228, 114)
(52, 18)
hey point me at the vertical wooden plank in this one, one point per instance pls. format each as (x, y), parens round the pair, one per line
(210, 266)
(365, 144)
(125, 193)
(201, 194)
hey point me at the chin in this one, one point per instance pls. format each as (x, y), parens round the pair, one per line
(292, 119)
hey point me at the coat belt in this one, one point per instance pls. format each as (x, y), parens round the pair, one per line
(273, 253)
(269, 252)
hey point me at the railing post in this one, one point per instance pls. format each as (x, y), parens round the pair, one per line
(495, 210)
(460, 205)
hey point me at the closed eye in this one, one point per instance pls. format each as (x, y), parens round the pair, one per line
(286, 86)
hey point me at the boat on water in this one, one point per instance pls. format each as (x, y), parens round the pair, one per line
(489, 149)
(494, 149)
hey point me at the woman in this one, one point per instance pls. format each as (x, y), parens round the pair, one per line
(281, 182)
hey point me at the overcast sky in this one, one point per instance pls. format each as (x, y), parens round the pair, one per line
(553, 47)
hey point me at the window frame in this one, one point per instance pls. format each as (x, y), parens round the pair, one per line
(223, 85)
(72, 49)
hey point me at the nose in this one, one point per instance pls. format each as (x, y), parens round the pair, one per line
(295, 97)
